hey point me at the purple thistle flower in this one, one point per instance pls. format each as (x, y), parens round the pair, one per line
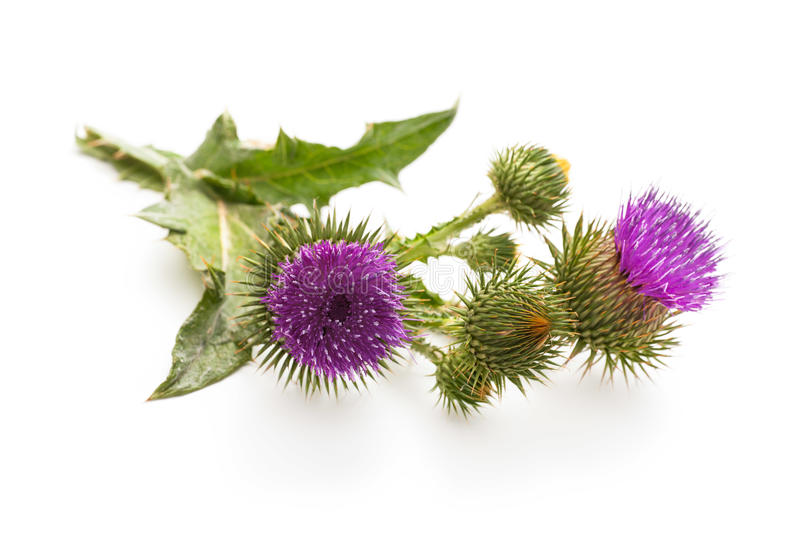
(666, 252)
(337, 307)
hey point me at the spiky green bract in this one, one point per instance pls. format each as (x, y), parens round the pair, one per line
(484, 250)
(283, 244)
(513, 324)
(627, 330)
(463, 383)
(532, 184)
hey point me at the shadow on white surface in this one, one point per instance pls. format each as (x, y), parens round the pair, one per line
(361, 438)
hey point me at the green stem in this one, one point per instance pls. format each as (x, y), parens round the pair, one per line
(439, 323)
(433, 353)
(433, 243)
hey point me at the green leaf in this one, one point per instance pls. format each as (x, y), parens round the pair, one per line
(138, 164)
(206, 227)
(212, 233)
(206, 348)
(221, 150)
(296, 171)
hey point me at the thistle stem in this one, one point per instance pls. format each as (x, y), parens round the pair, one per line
(439, 324)
(433, 243)
(431, 352)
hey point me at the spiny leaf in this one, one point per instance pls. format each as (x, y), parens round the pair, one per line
(296, 171)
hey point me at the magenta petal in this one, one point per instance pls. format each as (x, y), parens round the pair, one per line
(666, 251)
(337, 307)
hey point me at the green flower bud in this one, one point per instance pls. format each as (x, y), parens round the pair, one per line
(531, 183)
(513, 324)
(463, 384)
(485, 250)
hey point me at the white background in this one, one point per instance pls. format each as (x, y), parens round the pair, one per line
(698, 97)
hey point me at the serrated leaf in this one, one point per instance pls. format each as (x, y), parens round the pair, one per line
(296, 171)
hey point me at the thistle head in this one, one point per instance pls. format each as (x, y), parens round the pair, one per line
(484, 250)
(329, 303)
(666, 251)
(616, 324)
(513, 324)
(531, 183)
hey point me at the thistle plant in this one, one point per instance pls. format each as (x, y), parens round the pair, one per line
(220, 202)
(328, 305)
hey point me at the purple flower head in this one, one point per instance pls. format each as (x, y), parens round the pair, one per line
(666, 252)
(337, 307)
